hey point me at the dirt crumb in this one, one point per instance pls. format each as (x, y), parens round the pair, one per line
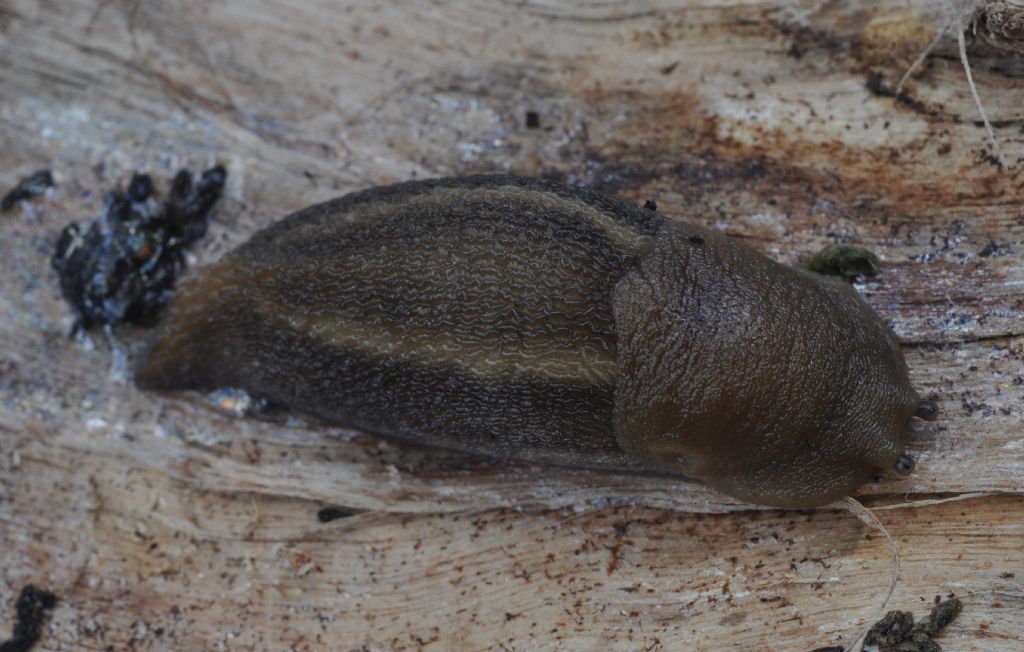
(31, 186)
(30, 613)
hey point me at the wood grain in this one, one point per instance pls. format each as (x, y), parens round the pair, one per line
(162, 524)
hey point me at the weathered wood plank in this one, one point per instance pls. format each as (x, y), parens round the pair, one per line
(162, 524)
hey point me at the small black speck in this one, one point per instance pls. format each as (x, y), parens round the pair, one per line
(31, 186)
(532, 120)
(875, 85)
(333, 513)
(695, 239)
(141, 187)
(988, 250)
(650, 205)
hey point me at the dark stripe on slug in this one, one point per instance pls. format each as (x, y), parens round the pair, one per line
(549, 422)
(645, 222)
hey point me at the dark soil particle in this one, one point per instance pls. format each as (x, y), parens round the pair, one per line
(328, 514)
(898, 632)
(989, 250)
(123, 266)
(30, 613)
(31, 186)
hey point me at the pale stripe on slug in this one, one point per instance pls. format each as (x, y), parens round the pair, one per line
(584, 365)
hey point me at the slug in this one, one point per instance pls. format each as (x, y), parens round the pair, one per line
(528, 320)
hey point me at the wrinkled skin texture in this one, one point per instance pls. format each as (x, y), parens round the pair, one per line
(773, 385)
(528, 320)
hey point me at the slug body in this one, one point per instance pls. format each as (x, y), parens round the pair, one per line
(524, 319)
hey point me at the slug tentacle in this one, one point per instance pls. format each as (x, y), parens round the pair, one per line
(529, 320)
(904, 465)
(927, 410)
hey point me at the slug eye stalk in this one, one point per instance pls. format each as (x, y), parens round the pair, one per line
(927, 410)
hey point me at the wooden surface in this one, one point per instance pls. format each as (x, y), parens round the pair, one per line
(162, 524)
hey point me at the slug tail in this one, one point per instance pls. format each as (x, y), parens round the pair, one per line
(186, 351)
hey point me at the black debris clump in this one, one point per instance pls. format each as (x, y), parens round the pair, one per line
(30, 613)
(532, 120)
(123, 266)
(31, 186)
(898, 632)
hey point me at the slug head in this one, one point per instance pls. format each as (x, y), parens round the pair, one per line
(774, 385)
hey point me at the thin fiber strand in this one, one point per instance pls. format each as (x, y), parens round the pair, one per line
(960, 19)
(869, 519)
(974, 91)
